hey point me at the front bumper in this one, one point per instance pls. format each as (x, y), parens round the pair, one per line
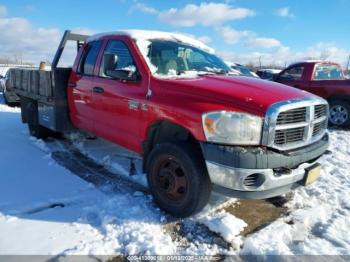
(260, 173)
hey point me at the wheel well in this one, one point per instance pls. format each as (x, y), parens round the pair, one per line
(343, 98)
(165, 132)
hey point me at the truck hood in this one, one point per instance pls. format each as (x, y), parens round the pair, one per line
(245, 93)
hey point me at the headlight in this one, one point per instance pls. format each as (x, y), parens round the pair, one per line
(232, 128)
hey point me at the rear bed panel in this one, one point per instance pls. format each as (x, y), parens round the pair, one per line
(49, 90)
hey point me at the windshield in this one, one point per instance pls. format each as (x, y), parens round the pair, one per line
(328, 72)
(174, 58)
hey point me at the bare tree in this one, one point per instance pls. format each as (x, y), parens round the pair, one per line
(18, 56)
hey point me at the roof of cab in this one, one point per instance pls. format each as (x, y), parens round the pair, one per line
(146, 35)
(313, 62)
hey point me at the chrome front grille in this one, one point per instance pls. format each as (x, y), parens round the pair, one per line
(319, 127)
(295, 123)
(296, 115)
(291, 135)
(320, 111)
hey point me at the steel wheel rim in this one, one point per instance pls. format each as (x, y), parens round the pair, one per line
(171, 179)
(338, 114)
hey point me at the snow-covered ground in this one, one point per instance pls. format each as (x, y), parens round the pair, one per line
(47, 209)
(54, 200)
(319, 222)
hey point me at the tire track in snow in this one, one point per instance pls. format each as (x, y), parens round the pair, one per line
(189, 232)
(203, 228)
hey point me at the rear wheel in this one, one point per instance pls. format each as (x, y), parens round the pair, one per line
(178, 179)
(35, 129)
(339, 113)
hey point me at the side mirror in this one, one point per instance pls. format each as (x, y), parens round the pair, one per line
(109, 62)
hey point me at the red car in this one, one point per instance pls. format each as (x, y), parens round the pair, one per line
(325, 79)
(171, 100)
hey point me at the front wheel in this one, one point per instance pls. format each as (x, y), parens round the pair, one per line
(178, 178)
(339, 113)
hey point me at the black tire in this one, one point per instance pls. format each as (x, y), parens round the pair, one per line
(190, 190)
(339, 113)
(35, 129)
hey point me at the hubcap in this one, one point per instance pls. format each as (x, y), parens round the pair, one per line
(171, 180)
(338, 115)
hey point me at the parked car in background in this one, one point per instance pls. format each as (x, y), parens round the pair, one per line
(243, 70)
(268, 74)
(325, 79)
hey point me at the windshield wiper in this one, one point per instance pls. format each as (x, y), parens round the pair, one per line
(204, 72)
(183, 72)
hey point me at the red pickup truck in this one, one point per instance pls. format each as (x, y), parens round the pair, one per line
(197, 127)
(325, 79)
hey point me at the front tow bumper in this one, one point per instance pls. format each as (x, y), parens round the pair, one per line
(258, 173)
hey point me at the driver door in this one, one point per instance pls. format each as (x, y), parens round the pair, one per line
(117, 102)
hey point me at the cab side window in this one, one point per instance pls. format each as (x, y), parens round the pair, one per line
(122, 57)
(294, 73)
(89, 57)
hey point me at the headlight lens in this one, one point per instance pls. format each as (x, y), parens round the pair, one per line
(232, 128)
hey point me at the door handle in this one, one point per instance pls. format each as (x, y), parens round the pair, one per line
(72, 84)
(98, 90)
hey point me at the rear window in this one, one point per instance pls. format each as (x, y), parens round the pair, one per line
(89, 57)
(328, 72)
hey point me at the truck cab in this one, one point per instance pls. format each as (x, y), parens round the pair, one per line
(325, 79)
